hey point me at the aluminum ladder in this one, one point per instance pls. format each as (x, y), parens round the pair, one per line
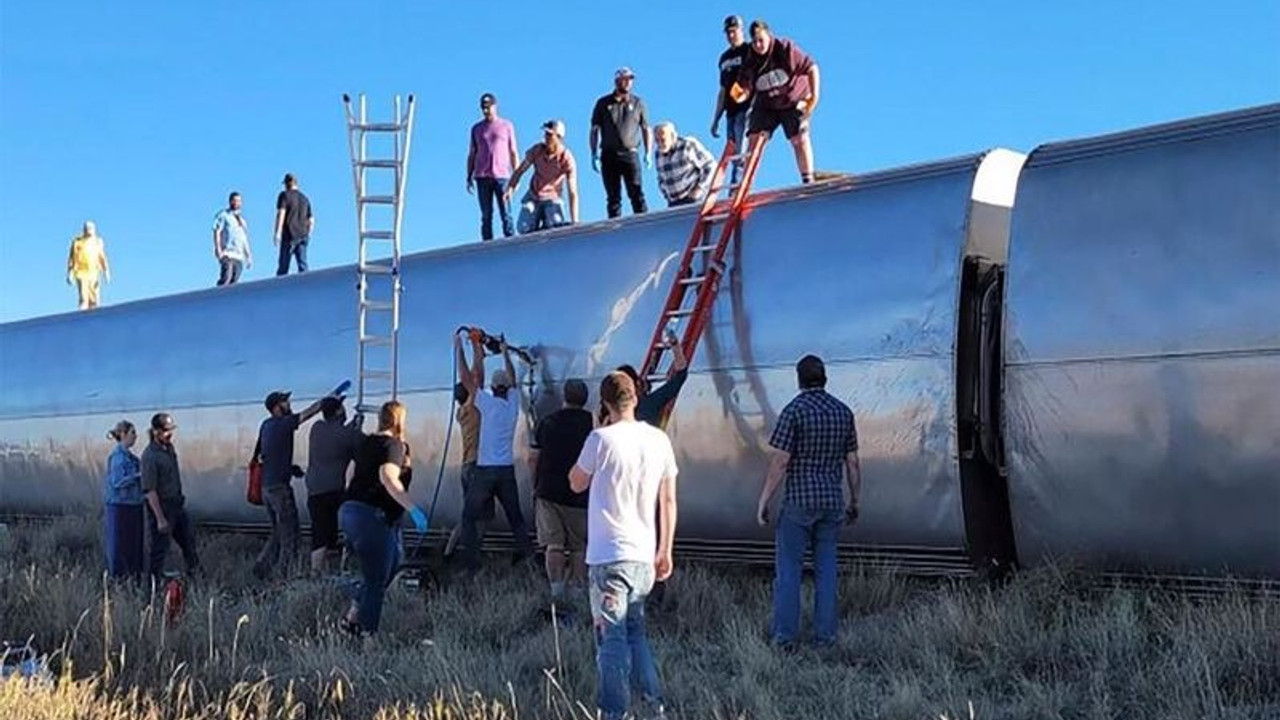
(702, 264)
(380, 170)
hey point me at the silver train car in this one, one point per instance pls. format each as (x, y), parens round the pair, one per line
(1090, 372)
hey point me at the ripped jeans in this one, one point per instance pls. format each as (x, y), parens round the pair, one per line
(623, 657)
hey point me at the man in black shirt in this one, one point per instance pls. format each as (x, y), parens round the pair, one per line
(619, 122)
(652, 402)
(293, 225)
(734, 111)
(275, 447)
(561, 514)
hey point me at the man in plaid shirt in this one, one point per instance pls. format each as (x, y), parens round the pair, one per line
(684, 166)
(815, 448)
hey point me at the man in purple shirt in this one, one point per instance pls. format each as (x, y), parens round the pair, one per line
(489, 163)
(782, 82)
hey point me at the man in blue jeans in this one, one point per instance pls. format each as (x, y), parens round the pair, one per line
(815, 448)
(630, 469)
(489, 164)
(294, 224)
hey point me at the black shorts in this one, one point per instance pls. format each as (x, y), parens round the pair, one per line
(324, 519)
(766, 120)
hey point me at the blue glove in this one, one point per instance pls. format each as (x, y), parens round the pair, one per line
(419, 519)
(595, 165)
(343, 387)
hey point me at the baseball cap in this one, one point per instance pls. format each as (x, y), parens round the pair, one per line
(554, 126)
(500, 379)
(275, 397)
(624, 71)
(488, 99)
(163, 421)
(732, 21)
(330, 405)
(289, 178)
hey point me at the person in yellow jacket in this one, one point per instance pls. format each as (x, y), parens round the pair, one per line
(88, 258)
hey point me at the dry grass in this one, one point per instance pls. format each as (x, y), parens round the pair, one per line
(1041, 647)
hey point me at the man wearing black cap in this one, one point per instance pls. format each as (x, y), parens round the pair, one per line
(275, 442)
(293, 225)
(734, 111)
(619, 122)
(331, 450)
(781, 81)
(489, 163)
(162, 485)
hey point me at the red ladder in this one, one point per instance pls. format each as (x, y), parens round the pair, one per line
(703, 284)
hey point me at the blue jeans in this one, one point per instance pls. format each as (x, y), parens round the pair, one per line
(798, 529)
(180, 531)
(124, 540)
(538, 214)
(623, 657)
(376, 545)
(735, 125)
(297, 248)
(489, 190)
(480, 487)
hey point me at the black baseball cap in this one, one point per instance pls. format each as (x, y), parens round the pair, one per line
(163, 421)
(330, 406)
(275, 397)
(488, 99)
(733, 21)
(289, 179)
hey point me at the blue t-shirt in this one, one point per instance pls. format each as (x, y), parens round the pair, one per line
(233, 235)
(276, 436)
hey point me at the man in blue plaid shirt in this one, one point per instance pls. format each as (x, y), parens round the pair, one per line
(685, 166)
(815, 448)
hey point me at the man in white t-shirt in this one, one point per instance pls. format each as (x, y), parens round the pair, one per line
(495, 471)
(630, 468)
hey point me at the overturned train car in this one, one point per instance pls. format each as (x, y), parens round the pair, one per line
(1010, 399)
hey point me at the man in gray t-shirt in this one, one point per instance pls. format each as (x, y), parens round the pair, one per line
(333, 446)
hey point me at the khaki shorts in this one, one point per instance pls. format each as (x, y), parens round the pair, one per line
(560, 527)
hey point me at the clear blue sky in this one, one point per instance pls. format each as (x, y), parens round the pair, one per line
(143, 115)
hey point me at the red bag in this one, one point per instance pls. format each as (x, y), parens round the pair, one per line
(253, 491)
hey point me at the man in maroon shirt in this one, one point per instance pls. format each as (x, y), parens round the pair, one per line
(782, 82)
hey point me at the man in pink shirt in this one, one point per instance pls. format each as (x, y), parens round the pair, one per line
(553, 168)
(489, 163)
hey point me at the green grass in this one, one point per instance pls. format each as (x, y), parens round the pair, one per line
(1044, 646)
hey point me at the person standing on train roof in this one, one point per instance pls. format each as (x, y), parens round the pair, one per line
(275, 443)
(495, 473)
(86, 263)
(122, 505)
(231, 242)
(330, 451)
(554, 171)
(619, 124)
(734, 111)
(814, 447)
(629, 469)
(166, 505)
(685, 166)
(781, 81)
(492, 157)
(294, 223)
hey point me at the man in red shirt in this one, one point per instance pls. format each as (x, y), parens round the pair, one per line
(554, 169)
(782, 82)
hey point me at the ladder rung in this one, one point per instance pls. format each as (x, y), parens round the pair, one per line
(378, 199)
(366, 409)
(685, 312)
(376, 305)
(378, 235)
(377, 127)
(393, 164)
(376, 340)
(375, 374)
(715, 217)
(696, 280)
(377, 269)
(704, 248)
(656, 378)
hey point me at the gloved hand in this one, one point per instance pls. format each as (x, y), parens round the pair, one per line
(595, 163)
(419, 519)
